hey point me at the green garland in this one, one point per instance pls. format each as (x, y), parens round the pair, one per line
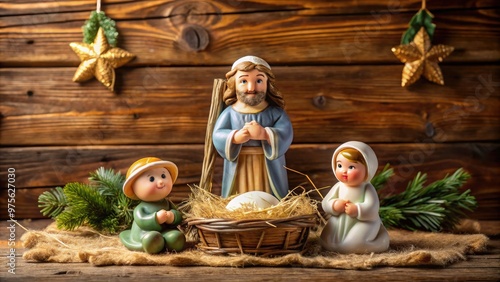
(422, 18)
(102, 205)
(91, 26)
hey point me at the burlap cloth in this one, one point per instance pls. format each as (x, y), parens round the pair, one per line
(406, 249)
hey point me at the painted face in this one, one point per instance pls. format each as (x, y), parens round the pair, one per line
(348, 172)
(153, 185)
(251, 87)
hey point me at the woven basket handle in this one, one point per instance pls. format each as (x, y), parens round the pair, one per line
(216, 108)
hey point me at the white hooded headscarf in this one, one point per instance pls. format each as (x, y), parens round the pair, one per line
(367, 153)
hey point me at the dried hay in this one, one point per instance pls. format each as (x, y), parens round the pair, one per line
(204, 204)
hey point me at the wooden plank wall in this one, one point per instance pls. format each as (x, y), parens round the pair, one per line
(332, 60)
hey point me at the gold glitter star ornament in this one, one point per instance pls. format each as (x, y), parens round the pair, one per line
(99, 59)
(421, 58)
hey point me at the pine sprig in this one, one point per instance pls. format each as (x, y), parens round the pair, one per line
(110, 184)
(96, 20)
(83, 198)
(124, 210)
(380, 179)
(437, 206)
(53, 202)
(107, 182)
(99, 203)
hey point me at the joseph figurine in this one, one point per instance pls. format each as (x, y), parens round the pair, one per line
(254, 132)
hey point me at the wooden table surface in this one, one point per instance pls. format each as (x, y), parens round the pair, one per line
(478, 267)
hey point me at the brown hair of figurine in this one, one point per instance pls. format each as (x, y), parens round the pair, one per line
(354, 156)
(273, 95)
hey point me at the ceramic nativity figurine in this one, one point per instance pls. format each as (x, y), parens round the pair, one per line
(355, 225)
(253, 132)
(155, 219)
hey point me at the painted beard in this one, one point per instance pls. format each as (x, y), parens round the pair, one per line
(258, 97)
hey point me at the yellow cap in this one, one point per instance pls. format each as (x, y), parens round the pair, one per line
(139, 166)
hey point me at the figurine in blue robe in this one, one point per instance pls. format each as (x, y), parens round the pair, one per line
(254, 132)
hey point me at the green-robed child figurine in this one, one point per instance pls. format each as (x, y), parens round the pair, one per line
(155, 219)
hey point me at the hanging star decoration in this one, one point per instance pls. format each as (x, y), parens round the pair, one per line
(419, 56)
(99, 59)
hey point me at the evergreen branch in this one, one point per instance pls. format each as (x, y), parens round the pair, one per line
(434, 207)
(390, 216)
(124, 210)
(85, 205)
(52, 202)
(381, 178)
(107, 182)
(99, 204)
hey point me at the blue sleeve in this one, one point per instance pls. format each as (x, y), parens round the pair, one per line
(223, 135)
(280, 136)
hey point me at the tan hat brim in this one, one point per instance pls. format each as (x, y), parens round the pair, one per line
(127, 186)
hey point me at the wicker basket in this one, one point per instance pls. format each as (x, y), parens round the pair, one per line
(257, 237)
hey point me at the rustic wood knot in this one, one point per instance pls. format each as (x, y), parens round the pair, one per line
(194, 12)
(194, 37)
(429, 129)
(319, 101)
